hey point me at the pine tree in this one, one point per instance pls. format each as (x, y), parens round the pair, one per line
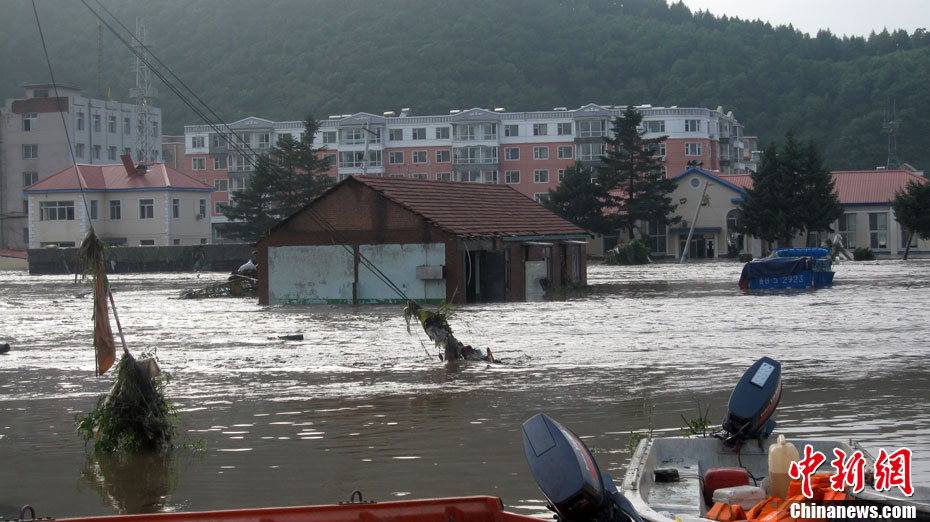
(912, 210)
(582, 201)
(286, 178)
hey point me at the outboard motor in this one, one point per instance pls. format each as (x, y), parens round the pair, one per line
(569, 478)
(752, 403)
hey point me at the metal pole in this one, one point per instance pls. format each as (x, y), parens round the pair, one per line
(684, 254)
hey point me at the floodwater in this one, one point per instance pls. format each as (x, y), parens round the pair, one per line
(360, 404)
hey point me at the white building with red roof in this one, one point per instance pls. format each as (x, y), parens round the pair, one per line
(150, 205)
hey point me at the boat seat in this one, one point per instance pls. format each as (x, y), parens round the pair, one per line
(681, 498)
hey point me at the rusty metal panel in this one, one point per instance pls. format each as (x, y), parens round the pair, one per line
(399, 263)
(310, 274)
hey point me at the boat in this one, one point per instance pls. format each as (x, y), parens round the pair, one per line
(676, 477)
(789, 268)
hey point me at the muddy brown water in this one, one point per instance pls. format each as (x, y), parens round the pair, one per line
(360, 404)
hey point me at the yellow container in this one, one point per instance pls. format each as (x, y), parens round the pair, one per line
(781, 455)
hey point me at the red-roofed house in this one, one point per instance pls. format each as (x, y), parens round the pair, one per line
(430, 241)
(154, 206)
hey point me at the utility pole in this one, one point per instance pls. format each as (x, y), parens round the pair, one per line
(697, 211)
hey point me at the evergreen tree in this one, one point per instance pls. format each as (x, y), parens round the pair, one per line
(582, 201)
(912, 210)
(633, 174)
(285, 180)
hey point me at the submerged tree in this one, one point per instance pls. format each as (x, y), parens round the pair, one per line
(285, 180)
(912, 210)
(582, 200)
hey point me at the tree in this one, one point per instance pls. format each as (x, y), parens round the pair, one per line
(583, 201)
(631, 171)
(791, 192)
(285, 179)
(912, 210)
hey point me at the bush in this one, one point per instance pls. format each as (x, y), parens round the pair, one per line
(745, 258)
(633, 253)
(863, 254)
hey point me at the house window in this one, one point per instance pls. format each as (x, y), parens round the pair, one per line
(541, 197)
(114, 209)
(511, 130)
(692, 149)
(264, 140)
(540, 153)
(29, 178)
(352, 136)
(592, 128)
(847, 230)
(396, 134)
(154, 128)
(80, 120)
(444, 176)
(540, 176)
(236, 184)
(219, 163)
(146, 242)
(657, 236)
(878, 230)
(419, 133)
(512, 177)
(221, 185)
(512, 153)
(111, 124)
(96, 150)
(96, 123)
(218, 140)
(692, 125)
(197, 142)
(202, 208)
(420, 176)
(540, 129)
(659, 150)
(146, 208)
(56, 210)
(419, 156)
(442, 133)
(396, 157)
(590, 151)
(329, 137)
(176, 242)
(79, 150)
(655, 126)
(111, 153)
(561, 175)
(175, 208)
(127, 126)
(30, 151)
(565, 152)
(565, 129)
(198, 164)
(218, 208)
(29, 121)
(443, 156)
(94, 209)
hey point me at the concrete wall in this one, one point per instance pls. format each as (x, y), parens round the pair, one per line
(221, 258)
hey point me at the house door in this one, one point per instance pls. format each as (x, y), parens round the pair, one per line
(698, 248)
(493, 282)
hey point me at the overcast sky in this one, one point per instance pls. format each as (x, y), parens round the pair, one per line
(842, 17)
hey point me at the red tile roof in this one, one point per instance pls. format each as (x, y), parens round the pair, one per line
(743, 181)
(473, 209)
(855, 187)
(114, 177)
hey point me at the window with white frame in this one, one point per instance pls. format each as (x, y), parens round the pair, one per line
(475, 155)
(111, 153)
(692, 125)
(420, 175)
(592, 128)
(511, 130)
(198, 164)
(127, 126)
(29, 178)
(115, 210)
(561, 175)
(111, 124)
(218, 208)
(175, 208)
(693, 149)
(352, 136)
(847, 230)
(657, 236)
(219, 162)
(541, 197)
(221, 185)
(541, 176)
(590, 151)
(329, 137)
(236, 183)
(56, 210)
(396, 134)
(654, 125)
(79, 120)
(444, 176)
(418, 156)
(79, 150)
(97, 126)
(540, 153)
(443, 156)
(442, 133)
(94, 209)
(96, 151)
(146, 242)
(396, 157)
(511, 153)
(29, 121)
(419, 133)
(565, 152)
(202, 208)
(564, 128)
(512, 177)
(878, 230)
(264, 140)
(154, 128)
(146, 209)
(397, 175)
(197, 142)
(30, 151)
(540, 129)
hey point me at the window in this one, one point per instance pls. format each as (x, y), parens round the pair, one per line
(329, 137)
(475, 154)
(96, 150)
(847, 230)
(592, 128)
(565, 129)
(30, 151)
(419, 133)
(512, 177)
(146, 242)
(111, 153)
(352, 136)
(197, 142)
(692, 149)
(655, 126)
(154, 128)
(442, 133)
(218, 140)
(127, 126)
(114, 209)
(561, 175)
(590, 151)
(176, 242)
(29, 178)
(420, 176)
(512, 154)
(111, 124)
(540, 129)
(56, 210)
(218, 208)
(175, 208)
(658, 149)
(444, 176)
(396, 157)
(219, 163)
(221, 185)
(419, 156)
(541, 197)
(396, 134)
(565, 152)
(96, 123)
(198, 164)
(356, 159)
(657, 236)
(540, 153)
(239, 162)
(540, 176)
(29, 121)
(511, 130)
(202, 208)
(264, 140)
(692, 125)
(146, 208)
(79, 123)
(94, 209)
(236, 184)
(443, 156)
(878, 230)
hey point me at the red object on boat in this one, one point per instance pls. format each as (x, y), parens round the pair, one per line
(459, 509)
(716, 478)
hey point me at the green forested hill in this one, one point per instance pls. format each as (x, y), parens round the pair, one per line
(280, 59)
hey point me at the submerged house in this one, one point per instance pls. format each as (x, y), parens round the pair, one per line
(381, 240)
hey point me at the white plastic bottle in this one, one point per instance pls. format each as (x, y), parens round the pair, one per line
(781, 455)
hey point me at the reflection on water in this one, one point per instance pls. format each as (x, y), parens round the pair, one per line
(360, 404)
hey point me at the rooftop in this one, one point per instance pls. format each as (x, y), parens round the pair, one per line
(157, 176)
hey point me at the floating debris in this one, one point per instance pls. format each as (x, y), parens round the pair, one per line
(237, 285)
(436, 326)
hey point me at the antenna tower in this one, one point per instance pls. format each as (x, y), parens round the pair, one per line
(100, 92)
(143, 94)
(890, 127)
